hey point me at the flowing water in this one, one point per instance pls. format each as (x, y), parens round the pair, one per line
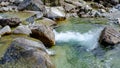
(77, 47)
(76, 44)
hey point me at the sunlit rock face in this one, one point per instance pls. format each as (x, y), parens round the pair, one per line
(5, 30)
(22, 30)
(55, 13)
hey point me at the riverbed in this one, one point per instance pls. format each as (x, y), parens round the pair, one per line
(77, 43)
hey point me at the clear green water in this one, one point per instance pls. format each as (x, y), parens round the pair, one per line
(75, 43)
(72, 53)
(75, 40)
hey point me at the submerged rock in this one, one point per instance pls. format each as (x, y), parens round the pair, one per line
(30, 51)
(5, 30)
(109, 37)
(12, 22)
(43, 33)
(22, 30)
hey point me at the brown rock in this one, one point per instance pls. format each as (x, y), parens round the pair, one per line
(109, 36)
(44, 34)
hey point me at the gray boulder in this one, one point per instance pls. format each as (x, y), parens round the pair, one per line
(5, 30)
(34, 5)
(22, 30)
(55, 13)
(32, 52)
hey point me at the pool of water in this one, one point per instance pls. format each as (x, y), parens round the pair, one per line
(77, 47)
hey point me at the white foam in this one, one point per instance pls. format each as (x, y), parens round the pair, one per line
(88, 39)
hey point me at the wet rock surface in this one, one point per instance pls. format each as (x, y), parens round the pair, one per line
(30, 51)
(44, 34)
(109, 36)
(49, 15)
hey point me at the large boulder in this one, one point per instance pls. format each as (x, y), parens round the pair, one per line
(44, 33)
(30, 51)
(12, 22)
(22, 30)
(34, 5)
(109, 36)
(5, 30)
